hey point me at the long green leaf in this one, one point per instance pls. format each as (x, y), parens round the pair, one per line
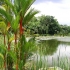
(29, 16)
(5, 14)
(25, 5)
(12, 7)
(15, 23)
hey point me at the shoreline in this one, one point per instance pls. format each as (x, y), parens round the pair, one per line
(59, 38)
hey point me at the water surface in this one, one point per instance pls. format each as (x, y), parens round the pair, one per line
(54, 51)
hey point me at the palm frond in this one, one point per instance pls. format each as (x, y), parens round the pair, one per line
(17, 5)
(11, 6)
(6, 15)
(29, 15)
(25, 4)
(15, 22)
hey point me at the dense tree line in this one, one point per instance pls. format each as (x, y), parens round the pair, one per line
(47, 25)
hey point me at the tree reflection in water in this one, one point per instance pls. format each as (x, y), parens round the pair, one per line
(48, 47)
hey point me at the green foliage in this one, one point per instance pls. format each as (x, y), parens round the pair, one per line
(3, 27)
(65, 30)
(44, 25)
(5, 14)
(15, 23)
(15, 16)
(13, 56)
(29, 15)
(33, 25)
(28, 46)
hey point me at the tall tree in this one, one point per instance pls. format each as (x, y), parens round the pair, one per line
(18, 14)
(49, 25)
(54, 26)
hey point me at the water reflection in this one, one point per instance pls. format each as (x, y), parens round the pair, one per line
(48, 47)
(54, 52)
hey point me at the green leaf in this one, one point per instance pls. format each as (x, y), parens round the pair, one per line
(1, 56)
(29, 15)
(25, 4)
(5, 14)
(3, 27)
(11, 6)
(13, 55)
(15, 23)
(17, 5)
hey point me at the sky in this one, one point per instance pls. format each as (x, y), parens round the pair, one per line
(60, 9)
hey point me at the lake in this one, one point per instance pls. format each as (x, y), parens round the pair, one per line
(53, 52)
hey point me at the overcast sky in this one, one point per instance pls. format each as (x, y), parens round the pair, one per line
(60, 9)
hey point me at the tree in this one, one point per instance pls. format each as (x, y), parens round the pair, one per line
(65, 30)
(44, 25)
(17, 15)
(43, 28)
(33, 26)
(48, 25)
(54, 26)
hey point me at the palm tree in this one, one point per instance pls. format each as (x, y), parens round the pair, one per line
(18, 14)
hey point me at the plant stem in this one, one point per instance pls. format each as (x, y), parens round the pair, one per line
(5, 62)
(4, 40)
(21, 27)
(5, 53)
(16, 50)
(21, 32)
(15, 38)
(8, 46)
(17, 65)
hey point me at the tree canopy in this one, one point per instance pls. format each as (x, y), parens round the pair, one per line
(44, 25)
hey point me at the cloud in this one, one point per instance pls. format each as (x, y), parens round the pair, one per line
(60, 10)
(39, 1)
